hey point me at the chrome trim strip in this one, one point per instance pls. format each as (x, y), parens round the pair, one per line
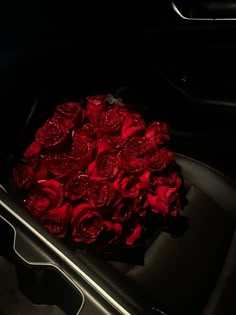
(90, 281)
(177, 11)
(43, 264)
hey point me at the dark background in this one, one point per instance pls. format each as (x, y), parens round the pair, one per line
(179, 70)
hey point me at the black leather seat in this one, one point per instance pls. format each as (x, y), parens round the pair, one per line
(195, 273)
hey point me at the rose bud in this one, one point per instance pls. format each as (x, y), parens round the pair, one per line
(76, 187)
(56, 220)
(86, 224)
(43, 196)
(53, 137)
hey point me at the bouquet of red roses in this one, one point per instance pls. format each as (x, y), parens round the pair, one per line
(97, 172)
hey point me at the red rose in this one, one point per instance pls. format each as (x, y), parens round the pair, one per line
(122, 211)
(133, 125)
(105, 166)
(40, 172)
(111, 234)
(72, 114)
(96, 105)
(136, 145)
(130, 162)
(83, 150)
(110, 121)
(59, 165)
(86, 224)
(32, 151)
(45, 195)
(157, 160)
(77, 187)
(26, 174)
(103, 146)
(158, 132)
(162, 201)
(23, 175)
(101, 194)
(88, 130)
(170, 179)
(53, 136)
(135, 235)
(56, 220)
(130, 186)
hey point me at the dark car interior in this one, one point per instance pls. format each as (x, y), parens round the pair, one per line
(170, 60)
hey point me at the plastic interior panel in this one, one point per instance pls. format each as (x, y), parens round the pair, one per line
(32, 289)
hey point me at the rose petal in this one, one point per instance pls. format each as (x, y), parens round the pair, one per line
(86, 224)
(134, 236)
(59, 165)
(157, 160)
(111, 234)
(130, 162)
(33, 150)
(133, 125)
(110, 121)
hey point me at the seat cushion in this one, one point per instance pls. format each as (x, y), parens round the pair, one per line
(182, 273)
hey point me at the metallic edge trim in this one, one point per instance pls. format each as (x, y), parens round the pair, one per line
(90, 281)
(43, 264)
(177, 11)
